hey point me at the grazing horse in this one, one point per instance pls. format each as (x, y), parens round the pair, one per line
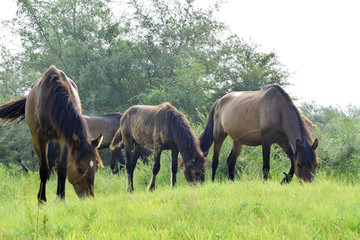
(160, 127)
(261, 118)
(52, 111)
(107, 125)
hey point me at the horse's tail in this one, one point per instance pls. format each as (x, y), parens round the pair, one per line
(12, 110)
(117, 140)
(207, 138)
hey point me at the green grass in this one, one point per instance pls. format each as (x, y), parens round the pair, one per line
(245, 209)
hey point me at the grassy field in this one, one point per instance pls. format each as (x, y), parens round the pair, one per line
(245, 209)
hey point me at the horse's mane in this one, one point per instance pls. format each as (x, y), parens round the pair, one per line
(180, 127)
(66, 115)
(303, 127)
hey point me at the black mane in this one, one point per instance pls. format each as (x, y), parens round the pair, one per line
(306, 150)
(303, 128)
(180, 127)
(66, 115)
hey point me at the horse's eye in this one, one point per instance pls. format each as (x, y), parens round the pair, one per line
(298, 165)
(80, 170)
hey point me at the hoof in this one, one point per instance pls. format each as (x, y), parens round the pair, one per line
(287, 179)
(150, 188)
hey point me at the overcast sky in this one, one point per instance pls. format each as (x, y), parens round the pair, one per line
(317, 40)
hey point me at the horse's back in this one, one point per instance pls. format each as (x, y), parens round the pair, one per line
(245, 116)
(238, 115)
(143, 124)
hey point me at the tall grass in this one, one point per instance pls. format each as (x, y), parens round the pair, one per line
(245, 209)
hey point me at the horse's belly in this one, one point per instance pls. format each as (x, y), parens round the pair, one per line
(144, 141)
(250, 137)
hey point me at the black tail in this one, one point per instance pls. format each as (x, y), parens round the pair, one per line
(207, 138)
(117, 140)
(13, 110)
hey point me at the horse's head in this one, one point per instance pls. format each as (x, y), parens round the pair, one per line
(83, 162)
(195, 168)
(305, 160)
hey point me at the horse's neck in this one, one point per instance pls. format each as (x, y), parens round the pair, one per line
(294, 129)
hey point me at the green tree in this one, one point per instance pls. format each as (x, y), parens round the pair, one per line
(339, 135)
(156, 51)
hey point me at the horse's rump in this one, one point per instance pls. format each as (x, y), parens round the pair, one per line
(107, 125)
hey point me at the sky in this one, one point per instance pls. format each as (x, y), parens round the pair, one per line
(318, 41)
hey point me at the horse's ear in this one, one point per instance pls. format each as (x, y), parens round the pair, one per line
(315, 144)
(76, 140)
(96, 142)
(298, 144)
(194, 157)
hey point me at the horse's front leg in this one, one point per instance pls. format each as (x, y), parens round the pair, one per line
(288, 150)
(174, 166)
(288, 176)
(215, 161)
(156, 168)
(266, 145)
(266, 160)
(61, 171)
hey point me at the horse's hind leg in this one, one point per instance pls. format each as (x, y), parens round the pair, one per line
(40, 147)
(231, 160)
(217, 147)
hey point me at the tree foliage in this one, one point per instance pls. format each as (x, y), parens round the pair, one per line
(155, 51)
(140, 52)
(339, 134)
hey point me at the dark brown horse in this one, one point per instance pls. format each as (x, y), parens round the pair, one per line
(261, 118)
(107, 125)
(52, 110)
(159, 128)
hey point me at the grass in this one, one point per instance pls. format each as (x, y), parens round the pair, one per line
(245, 209)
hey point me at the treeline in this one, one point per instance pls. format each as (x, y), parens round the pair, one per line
(131, 52)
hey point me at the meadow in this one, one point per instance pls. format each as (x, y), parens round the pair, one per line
(248, 208)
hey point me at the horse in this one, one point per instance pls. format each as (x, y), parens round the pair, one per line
(261, 118)
(52, 111)
(107, 125)
(160, 127)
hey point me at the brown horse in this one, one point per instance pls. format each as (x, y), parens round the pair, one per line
(261, 118)
(160, 127)
(107, 125)
(52, 110)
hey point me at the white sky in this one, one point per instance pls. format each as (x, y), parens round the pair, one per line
(317, 40)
